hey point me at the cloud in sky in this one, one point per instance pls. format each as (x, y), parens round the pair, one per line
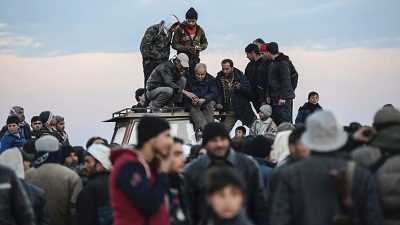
(93, 27)
(88, 88)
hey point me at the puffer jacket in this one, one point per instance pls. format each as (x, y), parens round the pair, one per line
(11, 140)
(182, 40)
(15, 207)
(280, 86)
(242, 96)
(155, 45)
(38, 202)
(305, 111)
(382, 157)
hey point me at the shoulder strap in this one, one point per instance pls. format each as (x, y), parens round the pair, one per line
(375, 167)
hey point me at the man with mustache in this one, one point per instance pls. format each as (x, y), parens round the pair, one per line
(219, 154)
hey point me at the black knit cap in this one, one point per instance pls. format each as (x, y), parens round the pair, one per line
(12, 119)
(65, 150)
(149, 127)
(191, 14)
(213, 130)
(273, 48)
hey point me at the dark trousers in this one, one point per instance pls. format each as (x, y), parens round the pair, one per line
(192, 64)
(147, 69)
(282, 113)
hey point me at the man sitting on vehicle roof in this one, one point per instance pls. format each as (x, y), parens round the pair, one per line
(167, 83)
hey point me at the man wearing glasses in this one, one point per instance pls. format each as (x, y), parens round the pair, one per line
(166, 83)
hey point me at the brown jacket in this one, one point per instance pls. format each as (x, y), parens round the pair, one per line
(182, 41)
(62, 186)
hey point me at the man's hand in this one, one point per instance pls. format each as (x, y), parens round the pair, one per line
(364, 134)
(281, 102)
(191, 49)
(268, 100)
(190, 95)
(219, 106)
(201, 101)
(165, 163)
(199, 48)
(238, 85)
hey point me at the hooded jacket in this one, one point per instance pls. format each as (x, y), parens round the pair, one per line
(305, 111)
(280, 84)
(241, 97)
(382, 158)
(137, 192)
(11, 140)
(155, 44)
(251, 74)
(182, 40)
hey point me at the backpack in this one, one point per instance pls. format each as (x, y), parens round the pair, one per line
(294, 76)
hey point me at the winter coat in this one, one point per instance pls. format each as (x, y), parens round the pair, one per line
(256, 202)
(26, 130)
(261, 127)
(11, 140)
(206, 89)
(15, 208)
(54, 132)
(137, 192)
(164, 75)
(240, 219)
(305, 111)
(182, 40)
(242, 95)
(61, 186)
(305, 193)
(382, 158)
(155, 44)
(38, 201)
(280, 84)
(262, 80)
(251, 74)
(265, 168)
(178, 182)
(94, 198)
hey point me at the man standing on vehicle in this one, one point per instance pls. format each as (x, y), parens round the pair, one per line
(280, 94)
(190, 39)
(155, 45)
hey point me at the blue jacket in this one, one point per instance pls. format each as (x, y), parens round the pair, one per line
(242, 96)
(206, 89)
(12, 140)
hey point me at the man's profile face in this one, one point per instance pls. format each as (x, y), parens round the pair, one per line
(264, 56)
(61, 126)
(90, 165)
(314, 99)
(200, 74)
(191, 22)
(36, 125)
(218, 147)
(250, 56)
(162, 143)
(53, 121)
(178, 159)
(227, 69)
(179, 67)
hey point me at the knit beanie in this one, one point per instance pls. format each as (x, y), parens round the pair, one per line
(59, 119)
(47, 148)
(12, 119)
(191, 14)
(213, 130)
(149, 127)
(263, 48)
(65, 151)
(273, 48)
(46, 117)
(266, 109)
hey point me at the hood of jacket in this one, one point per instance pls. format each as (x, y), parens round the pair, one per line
(13, 159)
(281, 57)
(388, 139)
(169, 21)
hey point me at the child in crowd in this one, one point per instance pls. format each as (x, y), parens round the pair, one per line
(264, 124)
(226, 193)
(240, 131)
(13, 136)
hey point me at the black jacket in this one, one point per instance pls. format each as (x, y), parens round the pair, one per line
(94, 195)
(242, 96)
(256, 202)
(179, 182)
(38, 202)
(251, 74)
(262, 80)
(15, 207)
(280, 84)
(305, 111)
(164, 75)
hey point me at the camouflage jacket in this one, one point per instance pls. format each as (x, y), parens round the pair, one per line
(182, 41)
(156, 44)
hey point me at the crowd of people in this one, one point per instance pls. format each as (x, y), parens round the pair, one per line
(272, 172)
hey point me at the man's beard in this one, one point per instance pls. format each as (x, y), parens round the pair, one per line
(217, 157)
